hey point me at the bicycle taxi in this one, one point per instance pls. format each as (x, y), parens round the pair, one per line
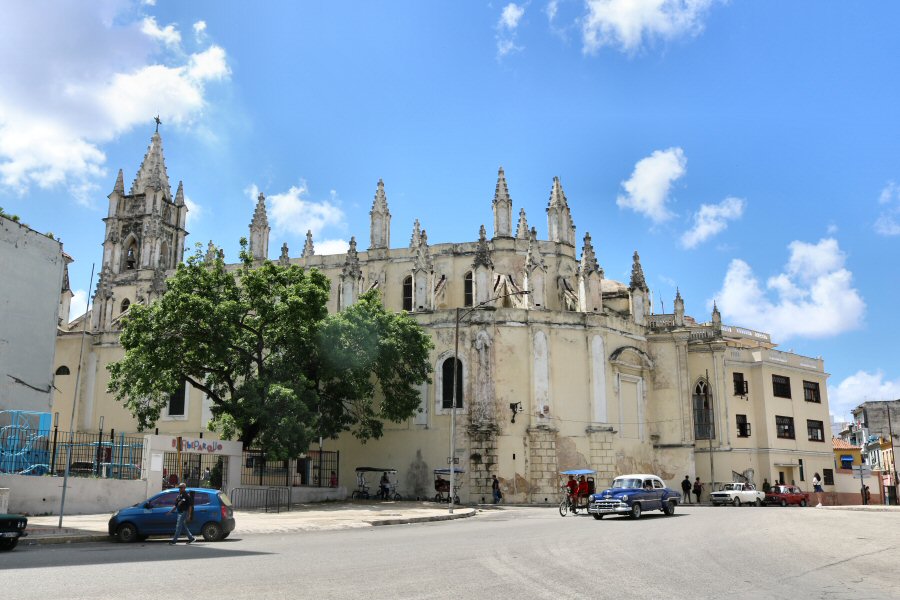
(384, 490)
(442, 484)
(576, 497)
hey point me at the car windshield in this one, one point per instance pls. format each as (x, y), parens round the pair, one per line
(626, 483)
(731, 486)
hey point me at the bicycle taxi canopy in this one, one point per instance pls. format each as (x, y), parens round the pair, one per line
(577, 472)
(375, 469)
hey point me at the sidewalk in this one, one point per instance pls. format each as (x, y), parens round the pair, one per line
(307, 517)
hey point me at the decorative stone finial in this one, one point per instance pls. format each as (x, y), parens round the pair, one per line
(308, 249)
(637, 275)
(588, 258)
(284, 259)
(522, 229)
(482, 251)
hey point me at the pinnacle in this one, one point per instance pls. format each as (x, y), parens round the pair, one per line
(501, 193)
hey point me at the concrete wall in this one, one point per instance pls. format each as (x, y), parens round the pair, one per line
(84, 495)
(31, 275)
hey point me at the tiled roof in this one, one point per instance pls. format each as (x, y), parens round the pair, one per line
(842, 443)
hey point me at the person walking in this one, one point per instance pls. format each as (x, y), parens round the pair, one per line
(767, 487)
(686, 489)
(817, 488)
(495, 489)
(184, 504)
(698, 489)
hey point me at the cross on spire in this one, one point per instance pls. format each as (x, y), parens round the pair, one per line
(158, 123)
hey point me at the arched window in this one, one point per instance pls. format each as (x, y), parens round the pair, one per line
(125, 304)
(447, 383)
(131, 255)
(704, 424)
(407, 293)
(467, 289)
(63, 370)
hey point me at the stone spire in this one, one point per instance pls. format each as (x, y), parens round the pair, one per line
(119, 188)
(502, 207)
(416, 237)
(679, 309)
(482, 251)
(152, 173)
(351, 277)
(380, 229)
(211, 253)
(179, 194)
(535, 272)
(284, 259)
(522, 229)
(560, 227)
(637, 275)
(259, 230)
(533, 258)
(308, 249)
(351, 263)
(421, 253)
(589, 262)
(716, 317)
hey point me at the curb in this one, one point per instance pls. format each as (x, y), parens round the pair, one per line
(65, 539)
(447, 517)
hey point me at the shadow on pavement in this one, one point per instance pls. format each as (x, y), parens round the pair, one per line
(70, 555)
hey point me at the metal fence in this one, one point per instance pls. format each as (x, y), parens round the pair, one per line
(315, 469)
(195, 470)
(26, 451)
(271, 499)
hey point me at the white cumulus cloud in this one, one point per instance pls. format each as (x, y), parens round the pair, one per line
(711, 220)
(73, 76)
(200, 31)
(888, 222)
(860, 387)
(647, 191)
(507, 25)
(78, 304)
(628, 24)
(167, 35)
(293, 212)
(195, 212)
(813, 297)
(326, 247)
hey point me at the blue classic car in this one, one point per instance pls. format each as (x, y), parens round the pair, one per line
(633, 494)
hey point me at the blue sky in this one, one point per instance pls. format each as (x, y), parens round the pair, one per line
(750, 151)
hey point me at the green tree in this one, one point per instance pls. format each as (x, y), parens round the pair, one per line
(279, 370)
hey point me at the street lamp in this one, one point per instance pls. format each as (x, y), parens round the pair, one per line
(459, 317)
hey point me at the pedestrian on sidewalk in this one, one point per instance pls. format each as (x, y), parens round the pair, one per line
(817, 488)
(495, 489)
(184, 504)
(686, 489)
(698, 489)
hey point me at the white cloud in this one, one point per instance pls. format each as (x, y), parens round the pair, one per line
(195, 212)
(712, 219)
(628, 24)
(510, 17)
(200, 31)
(858, 388)
(294, 213)
(327, 247)
(647, 191)
(75, 77)
(167, 35)
(814, 297)
(888, 222)
(78, 304)
(552, 10)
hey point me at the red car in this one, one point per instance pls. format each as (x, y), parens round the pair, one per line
(787, 494)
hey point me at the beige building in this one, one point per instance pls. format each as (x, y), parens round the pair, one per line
(577, 373)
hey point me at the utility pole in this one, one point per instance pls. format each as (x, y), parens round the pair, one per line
(893, 453)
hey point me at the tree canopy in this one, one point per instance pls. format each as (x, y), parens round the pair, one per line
(278, 369)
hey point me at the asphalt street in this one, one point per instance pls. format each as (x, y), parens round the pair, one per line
(701, 552)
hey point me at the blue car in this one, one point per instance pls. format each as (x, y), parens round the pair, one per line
(213, 516)
(633, 494)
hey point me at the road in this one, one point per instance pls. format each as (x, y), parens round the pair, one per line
(701, 552)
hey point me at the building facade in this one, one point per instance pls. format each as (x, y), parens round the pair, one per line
(558, 367)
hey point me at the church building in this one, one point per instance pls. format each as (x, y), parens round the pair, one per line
(558, 366)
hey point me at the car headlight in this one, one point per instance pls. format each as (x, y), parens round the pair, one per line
(625, 498)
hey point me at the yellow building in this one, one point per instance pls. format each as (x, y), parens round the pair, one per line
(577, 373)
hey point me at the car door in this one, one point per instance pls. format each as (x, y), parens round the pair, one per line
(160, 518)
(204, 511)
(649, 495)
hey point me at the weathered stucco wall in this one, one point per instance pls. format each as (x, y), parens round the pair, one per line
(84, 495)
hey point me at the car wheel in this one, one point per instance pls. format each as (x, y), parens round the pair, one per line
(597, 517)
(736, 501)
(7, 544)
(803, 503)
(635, 511)
(669, 509)
(563, 508)
(758, 502)
(783, 502)
(212, 532)
(127, 533)
(225, 535)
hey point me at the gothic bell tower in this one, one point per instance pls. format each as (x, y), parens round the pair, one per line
(145, 235)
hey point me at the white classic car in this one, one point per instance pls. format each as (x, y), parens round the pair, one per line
(738, 493)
